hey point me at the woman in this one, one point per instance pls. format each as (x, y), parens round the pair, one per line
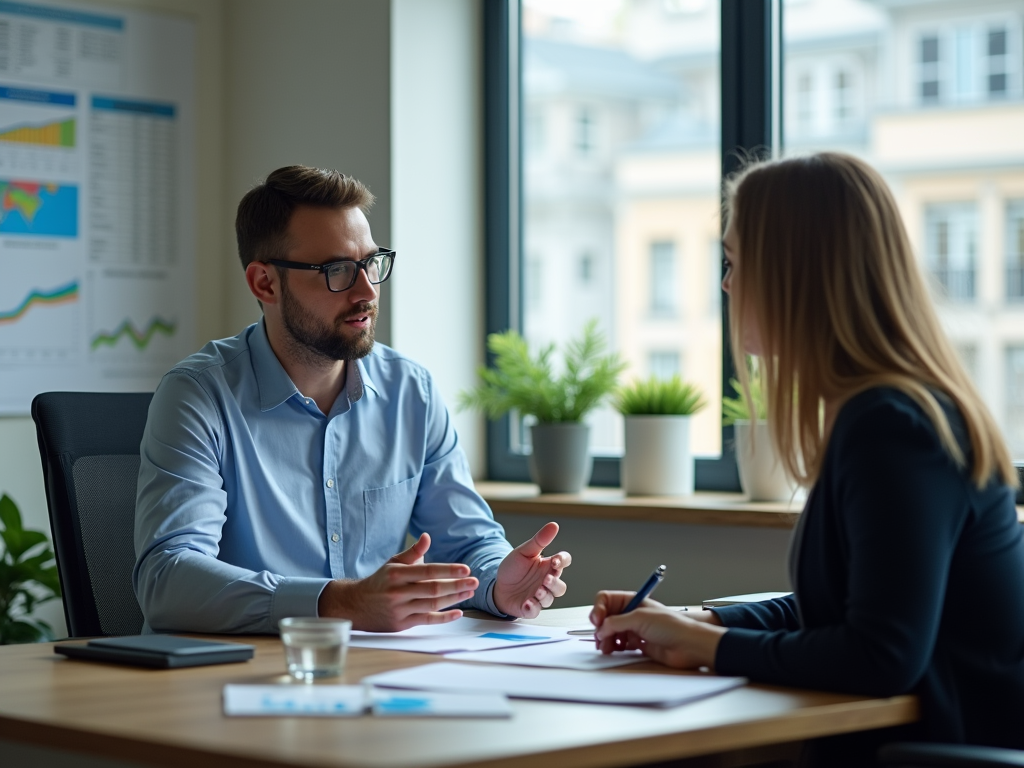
(908, 561)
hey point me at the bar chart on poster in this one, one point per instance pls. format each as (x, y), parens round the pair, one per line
(97, 202)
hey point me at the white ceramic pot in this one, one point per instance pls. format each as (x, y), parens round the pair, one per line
(657, 461)
(761, 472)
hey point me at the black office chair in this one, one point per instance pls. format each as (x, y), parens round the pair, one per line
(89, 445)
(914, 755)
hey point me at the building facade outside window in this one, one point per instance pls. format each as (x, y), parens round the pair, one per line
(664, 364)
(663, 279)
(625, 199)
(1015, 250)
(951, 248)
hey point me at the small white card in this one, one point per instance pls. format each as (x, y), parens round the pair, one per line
(432, 704)
(295, 700)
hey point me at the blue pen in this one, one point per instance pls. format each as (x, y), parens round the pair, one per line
(639, 597)
(646, 589)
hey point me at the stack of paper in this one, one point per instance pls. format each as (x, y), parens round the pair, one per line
(574, 654)
(560, 685)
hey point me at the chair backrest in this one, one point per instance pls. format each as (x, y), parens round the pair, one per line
(89, 444)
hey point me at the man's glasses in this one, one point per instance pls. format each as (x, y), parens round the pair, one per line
(341, 275)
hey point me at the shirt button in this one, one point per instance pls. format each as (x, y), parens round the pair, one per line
(308, 401)
(330, 483)
(335, 538)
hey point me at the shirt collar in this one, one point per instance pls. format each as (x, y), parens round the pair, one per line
(275, 386)
(272, 379)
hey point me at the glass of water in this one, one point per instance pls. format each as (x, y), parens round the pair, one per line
(315, 648)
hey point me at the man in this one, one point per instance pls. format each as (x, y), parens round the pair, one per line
(282, 468)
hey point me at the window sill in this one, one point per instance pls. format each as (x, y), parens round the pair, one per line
(702, 508)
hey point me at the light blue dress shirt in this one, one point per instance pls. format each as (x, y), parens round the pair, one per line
(250, 500)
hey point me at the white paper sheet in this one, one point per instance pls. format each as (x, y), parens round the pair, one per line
(572, 655)
(557, 684)
(463, 634)
(295, 700)
(392, 703)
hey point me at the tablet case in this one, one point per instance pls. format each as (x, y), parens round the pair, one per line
(159, 651)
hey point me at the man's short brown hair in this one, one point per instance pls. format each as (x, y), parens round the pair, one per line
(261, 225)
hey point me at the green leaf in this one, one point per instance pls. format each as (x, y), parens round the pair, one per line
(21, 632)
(654, 396)
(9, 514)
(528, 384)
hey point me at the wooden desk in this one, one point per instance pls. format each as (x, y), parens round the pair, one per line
(174, 718)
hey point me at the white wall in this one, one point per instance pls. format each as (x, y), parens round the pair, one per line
(437, 183)
(305, 83)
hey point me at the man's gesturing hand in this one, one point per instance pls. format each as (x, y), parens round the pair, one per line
(403, 593)
(528, 582)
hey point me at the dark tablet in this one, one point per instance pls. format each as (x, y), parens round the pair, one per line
(160, 651)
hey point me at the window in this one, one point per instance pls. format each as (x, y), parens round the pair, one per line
(805, 101)
(648, 114)
(997, 61)
(1015, 250)
(663, 279)
(950, 246)
(929, 69)
(968, 353)
(586, 268)
(585, 131)
(843, 96)
(534, 135)
(964, 54)
(1013, 425)
(664, 365)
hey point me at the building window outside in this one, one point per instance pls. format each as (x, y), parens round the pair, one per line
(951, 247)
(964, 77)
(843, 97)
(929, 68)
(664, 364)
(663, 283)
(968, 353)
(585, 131)
(1015, 250)
(805, 101)
(715, 273)
(1014, 410)
(586, 268)
(998, 84)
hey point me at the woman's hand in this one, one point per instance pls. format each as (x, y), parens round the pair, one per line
(663, 634)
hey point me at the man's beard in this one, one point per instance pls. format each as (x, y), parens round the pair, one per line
(318, 339)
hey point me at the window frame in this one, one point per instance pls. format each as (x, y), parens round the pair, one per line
(751, 107)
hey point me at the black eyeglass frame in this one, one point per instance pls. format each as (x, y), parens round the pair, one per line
(362, 264)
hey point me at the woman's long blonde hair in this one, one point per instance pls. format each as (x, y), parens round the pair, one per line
(841, 306)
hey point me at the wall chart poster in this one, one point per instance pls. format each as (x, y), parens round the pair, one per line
(97, 198)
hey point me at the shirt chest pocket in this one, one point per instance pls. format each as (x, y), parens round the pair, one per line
(387, 512)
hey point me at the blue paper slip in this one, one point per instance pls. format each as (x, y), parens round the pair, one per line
(514, 638)
(433, 704)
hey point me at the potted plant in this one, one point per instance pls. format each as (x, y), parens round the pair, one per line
(762, 475)
(518, 381)
(28, 577)
(657, 460)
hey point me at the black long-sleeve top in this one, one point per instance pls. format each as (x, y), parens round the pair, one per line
(907, 579)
